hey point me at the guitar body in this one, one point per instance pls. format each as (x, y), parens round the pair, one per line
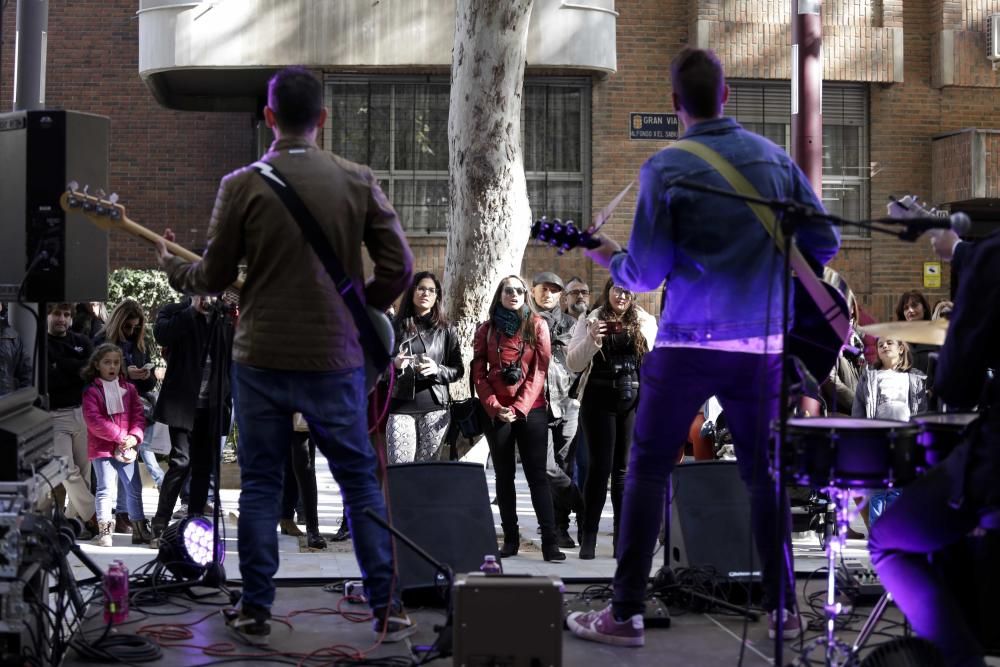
(815, 338)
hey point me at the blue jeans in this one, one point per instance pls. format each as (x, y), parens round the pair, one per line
(673, 385)
(334, 404)
(148, 458)
(109, 472)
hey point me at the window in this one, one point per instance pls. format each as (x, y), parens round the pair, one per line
(400, 128)
(764, 107)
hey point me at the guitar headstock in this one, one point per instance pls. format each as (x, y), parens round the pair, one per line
(561, 235)
(101, 209)
(909, 206)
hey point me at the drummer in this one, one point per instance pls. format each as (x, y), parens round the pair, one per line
(960, 494)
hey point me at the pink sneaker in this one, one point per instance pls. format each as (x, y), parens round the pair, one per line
(601, 626)
(791, 626)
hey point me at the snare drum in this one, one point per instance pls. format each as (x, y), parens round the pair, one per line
(850, 453)
(940, 433)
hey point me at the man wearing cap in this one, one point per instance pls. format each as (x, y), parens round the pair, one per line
(564, 411)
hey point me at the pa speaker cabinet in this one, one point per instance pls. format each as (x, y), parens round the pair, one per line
(445, 508)
(515, 621)
(67, 255)
(710, 521)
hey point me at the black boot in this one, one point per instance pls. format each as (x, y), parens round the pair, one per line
(563, 539)
(314, 540)
(588, 544)
(141, 532)
(551, 552)
(511, 541)
(344, 532)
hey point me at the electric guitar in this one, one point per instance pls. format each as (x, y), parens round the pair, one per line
(106, 213)
(820, 326)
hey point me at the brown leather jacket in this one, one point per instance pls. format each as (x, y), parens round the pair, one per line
(291, 316)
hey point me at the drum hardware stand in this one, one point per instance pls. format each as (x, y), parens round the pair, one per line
(873, 619)
(836, 652)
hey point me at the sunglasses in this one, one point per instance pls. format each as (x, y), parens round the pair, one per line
(513, 291)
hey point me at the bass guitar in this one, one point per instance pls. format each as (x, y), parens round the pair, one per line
(818, 332)
(106, 213)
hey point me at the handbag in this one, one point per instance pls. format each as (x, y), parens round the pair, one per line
(469, 417)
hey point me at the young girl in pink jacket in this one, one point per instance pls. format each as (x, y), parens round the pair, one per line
(113, 414)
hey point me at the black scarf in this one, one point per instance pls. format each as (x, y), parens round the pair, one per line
(506, 321)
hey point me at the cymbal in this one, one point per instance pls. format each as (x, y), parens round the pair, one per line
(925, 332)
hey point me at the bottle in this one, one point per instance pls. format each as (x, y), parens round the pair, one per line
(490, 565)
(116, 593)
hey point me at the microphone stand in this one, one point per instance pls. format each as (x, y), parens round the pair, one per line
(790, 216)
(444, 640)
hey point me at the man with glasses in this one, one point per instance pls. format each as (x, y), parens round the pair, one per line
(719, 333)
(576, 297)
(564, 410)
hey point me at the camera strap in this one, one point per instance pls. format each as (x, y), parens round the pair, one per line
(520, 351)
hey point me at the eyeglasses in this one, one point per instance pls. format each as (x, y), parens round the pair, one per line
(513, 291)
(622, 292)
(129, 328)
(427, 290)
(578, 292)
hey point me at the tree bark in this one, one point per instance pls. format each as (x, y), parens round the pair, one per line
(489, 217)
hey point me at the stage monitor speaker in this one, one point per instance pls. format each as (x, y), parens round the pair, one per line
(710, 521)
(445, 508)
(58, 256)
(507, 620)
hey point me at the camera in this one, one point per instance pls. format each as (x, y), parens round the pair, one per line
(625, 381)
(511, 374)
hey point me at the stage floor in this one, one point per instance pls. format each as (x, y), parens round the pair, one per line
(308, 596)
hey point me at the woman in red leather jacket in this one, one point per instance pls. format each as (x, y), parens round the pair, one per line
(509, 361)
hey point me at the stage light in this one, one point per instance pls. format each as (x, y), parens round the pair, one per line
(186, 547)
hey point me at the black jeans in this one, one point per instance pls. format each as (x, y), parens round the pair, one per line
(608, 426)
(531, 439)
(300, 481)
(191, 453)
(747, 386)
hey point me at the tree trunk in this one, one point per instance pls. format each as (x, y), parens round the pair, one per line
(489, 217)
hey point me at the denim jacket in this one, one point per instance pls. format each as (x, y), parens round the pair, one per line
(722, 268)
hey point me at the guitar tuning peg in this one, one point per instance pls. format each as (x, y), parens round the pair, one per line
(101, 194)
(113, 198)
(72, 186)
(86, 189)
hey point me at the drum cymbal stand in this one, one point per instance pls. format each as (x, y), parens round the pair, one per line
(836, 652)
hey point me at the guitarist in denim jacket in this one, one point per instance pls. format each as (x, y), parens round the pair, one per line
(719, 334)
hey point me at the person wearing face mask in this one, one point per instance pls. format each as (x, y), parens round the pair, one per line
(607, 349)
(564, 408)
(427, 360)
(510, 360)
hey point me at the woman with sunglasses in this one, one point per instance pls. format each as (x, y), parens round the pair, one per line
(510, 358)
(126, 328)
(427, 360)
(607, 349)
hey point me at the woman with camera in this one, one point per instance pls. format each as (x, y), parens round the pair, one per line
(427, 360)
(510, 358)
(607, 349)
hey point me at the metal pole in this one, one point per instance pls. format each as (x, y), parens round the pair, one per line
(30, 43)
(807, 90)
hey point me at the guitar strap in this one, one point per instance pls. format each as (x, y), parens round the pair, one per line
(739, 183)
(314, 235)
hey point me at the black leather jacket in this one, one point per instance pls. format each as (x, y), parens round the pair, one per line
(442, 347)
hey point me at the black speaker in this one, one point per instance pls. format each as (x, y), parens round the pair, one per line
(58, 256)
(445, 508)
(710, 521)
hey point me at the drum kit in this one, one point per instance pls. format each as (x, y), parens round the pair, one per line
(842, 455)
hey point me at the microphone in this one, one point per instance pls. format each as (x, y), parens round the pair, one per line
(958, 222)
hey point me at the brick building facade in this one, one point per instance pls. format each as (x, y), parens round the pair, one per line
(921, 66)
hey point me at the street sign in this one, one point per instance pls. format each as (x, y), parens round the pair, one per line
(932, 275)
(653, 126)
